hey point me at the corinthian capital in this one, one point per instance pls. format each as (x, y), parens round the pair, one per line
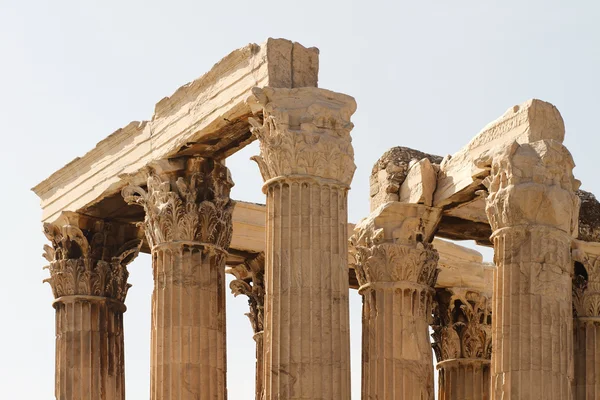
(462, 325)
(250, 282)
(586, 279)
(89, 257)
(192, 205)
(533, 184)
(392, 245)
(304, 132)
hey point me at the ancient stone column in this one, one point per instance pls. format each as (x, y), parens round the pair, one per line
(250, 282)
(396, 267)
(586, 310)
(306, 160)
(533, 211)
(88, 275)
(462, 334)
(188, 227)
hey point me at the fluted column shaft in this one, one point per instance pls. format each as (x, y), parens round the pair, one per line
(587, 358)
(306, 308)
(88, 276)
(188, 227)
(397, 361)
(90, 356)
(586, 323)
(306, 160)
(533, 212)
(396, 268)
(188, 322)
(464, 379)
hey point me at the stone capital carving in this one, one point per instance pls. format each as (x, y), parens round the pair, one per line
(533, 184)
(462, 325)
(250, 282)
(586, 282)
(192, 205)
(392, 245)
(305, 132)
(89, 257)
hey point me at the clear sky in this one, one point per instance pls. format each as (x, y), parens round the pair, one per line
(426, 74)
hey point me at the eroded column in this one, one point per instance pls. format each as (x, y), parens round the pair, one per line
(88, 275)
(533, 212)
(306, 160)
(462, 334)
(188, 227)
(396, 267)
(586, 310)
(250, 282)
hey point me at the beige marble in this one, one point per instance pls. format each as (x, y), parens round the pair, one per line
(188, 227)
(306, 160)
(533, 211)
(586, 309)
(206, 117)
(88, 275)
(397, 269)
(250, 282)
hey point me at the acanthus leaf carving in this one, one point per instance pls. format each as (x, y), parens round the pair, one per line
(250, 283)
(462, 325)
(586, 285)
(88, 262)
(304, 131)
(194, 207)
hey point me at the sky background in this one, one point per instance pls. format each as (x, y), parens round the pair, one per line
(427, 75)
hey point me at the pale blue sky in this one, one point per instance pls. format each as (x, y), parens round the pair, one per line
(427, 75)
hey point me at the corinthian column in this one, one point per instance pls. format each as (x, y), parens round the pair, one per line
(88, 275)
(250, 282)
(306, 160)
(533, 211)
(586, 309)
(462, 335)
(396, 268)
(188, 227)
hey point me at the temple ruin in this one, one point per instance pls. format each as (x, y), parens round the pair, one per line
(525, 327)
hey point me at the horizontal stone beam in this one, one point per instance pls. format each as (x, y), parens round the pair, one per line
(205, 117)
(460, 266)
(461, 174)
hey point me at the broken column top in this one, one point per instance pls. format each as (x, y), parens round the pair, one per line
(206, 117)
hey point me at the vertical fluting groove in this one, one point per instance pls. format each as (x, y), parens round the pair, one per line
(188, 323)
(394, 325)
(306, 305)
(586, 358)
(89, 349)
(532, 348)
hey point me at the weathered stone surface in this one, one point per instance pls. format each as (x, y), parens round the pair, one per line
(589, 217)
(461, 175)
(306, 160)
(396, 267)
(419, 184)
(88, 273)
(390, 171)
(532, 207)
(188, 226)
(206, 117)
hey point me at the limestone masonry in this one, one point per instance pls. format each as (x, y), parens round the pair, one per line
(524, 328)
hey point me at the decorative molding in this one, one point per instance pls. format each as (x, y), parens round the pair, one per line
(390, 262)
(192, 206)
(88, 262)
(392, 245)
(462, 325)
(250, 282)
(304, 132)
